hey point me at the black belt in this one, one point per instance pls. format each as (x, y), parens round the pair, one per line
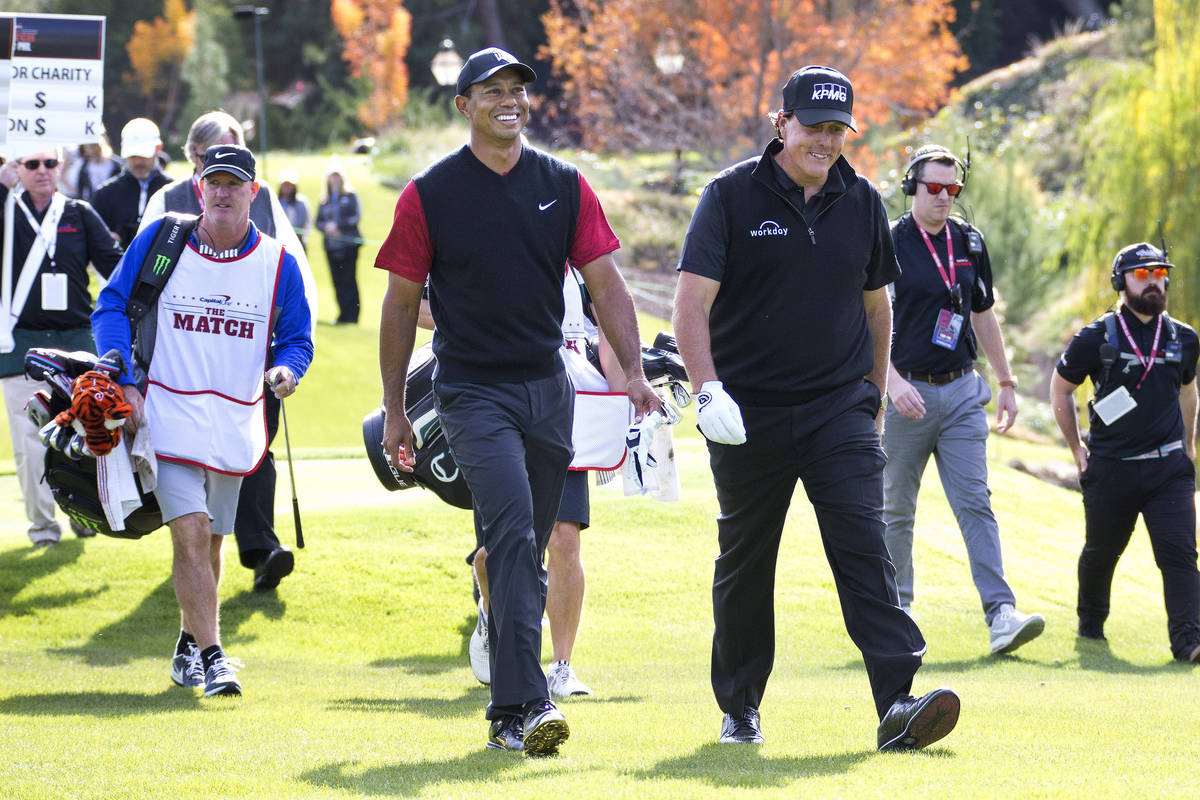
(938, 378)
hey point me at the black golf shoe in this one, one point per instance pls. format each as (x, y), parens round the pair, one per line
(274, 567)
(506, 733)
(913, 723)
(545, 728)
(744, 729)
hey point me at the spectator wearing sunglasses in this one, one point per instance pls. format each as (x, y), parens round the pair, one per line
(1140, 453)
(47, 242)
(943, 314)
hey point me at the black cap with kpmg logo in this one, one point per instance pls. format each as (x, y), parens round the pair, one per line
(819, 94)
(231, 158)
(1142, 254)
(483, 64)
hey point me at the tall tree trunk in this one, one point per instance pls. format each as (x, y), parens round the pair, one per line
(493, 28)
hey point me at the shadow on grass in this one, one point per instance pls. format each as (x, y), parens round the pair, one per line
(242, 607)
(404, 780)
(148, 630)
(433, 663)
(738, 766)
(466, 706)
(24, 565)
(1097, 656)
(99, 704)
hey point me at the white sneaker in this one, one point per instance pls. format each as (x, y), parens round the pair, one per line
(478, 649)
(1010, 629)
(562, 681)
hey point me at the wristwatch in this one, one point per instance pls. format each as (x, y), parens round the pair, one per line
(1011, 382)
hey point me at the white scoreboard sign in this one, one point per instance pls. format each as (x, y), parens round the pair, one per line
(53, 82)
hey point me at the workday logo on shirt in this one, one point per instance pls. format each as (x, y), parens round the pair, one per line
(768, 227)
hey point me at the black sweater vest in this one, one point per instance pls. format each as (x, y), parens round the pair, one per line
(500, 248)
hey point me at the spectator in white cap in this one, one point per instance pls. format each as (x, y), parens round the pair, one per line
(122, 200)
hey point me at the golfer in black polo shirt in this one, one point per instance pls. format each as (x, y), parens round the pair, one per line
(782, 317)
(492, 225)
(1141, 452)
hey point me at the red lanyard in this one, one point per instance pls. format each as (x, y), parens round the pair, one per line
(948, 280)
(1147, 363)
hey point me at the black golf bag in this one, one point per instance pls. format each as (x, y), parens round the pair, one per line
(70, 470)
(436, 468)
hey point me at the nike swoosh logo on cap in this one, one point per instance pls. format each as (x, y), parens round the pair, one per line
(223, 155)
(544, 206)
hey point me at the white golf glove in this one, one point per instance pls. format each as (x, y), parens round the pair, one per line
(719, 416)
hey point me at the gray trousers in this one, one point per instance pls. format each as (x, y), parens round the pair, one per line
(954, 430)
(513, 444)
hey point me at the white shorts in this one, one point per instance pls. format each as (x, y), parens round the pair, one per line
(184, 489)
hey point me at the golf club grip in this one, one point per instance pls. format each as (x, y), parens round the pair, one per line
(296, 518)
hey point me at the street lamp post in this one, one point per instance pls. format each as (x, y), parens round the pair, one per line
(669, 58)
(446, 64)
(257, 13)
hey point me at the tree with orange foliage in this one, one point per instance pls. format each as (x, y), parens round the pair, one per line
(900, 54)
(156, 51)
(376, 35)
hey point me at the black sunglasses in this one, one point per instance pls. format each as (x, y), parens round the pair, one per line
(32, 164)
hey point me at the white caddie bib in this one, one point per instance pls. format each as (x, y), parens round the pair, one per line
(205, 403)
(601, 415)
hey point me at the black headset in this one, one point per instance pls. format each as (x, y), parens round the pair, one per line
(930, 152)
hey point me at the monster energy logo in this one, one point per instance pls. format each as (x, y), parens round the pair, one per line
(161, 263)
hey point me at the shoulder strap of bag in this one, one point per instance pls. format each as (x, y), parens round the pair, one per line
(160, 262)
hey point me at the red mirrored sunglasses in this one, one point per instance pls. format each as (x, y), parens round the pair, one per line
(952, 189)
(1143, 273)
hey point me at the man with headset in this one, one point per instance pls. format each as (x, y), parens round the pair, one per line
(943, 306)
(1140, 455)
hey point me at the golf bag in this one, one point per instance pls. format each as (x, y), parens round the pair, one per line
(436, 468)
(70, 469)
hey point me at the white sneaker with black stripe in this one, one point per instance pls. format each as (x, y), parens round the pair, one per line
(220, 678)
(562, 681)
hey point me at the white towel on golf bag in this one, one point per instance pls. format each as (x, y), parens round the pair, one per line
(118, 490)
(651, 444)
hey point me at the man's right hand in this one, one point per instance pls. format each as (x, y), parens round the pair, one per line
(906, 398)
(1081, 458)
(137, 405)
(719, 417)
(398, 441)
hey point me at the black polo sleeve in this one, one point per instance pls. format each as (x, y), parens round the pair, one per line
(102, 250)
(706, 244)
(1081, 359)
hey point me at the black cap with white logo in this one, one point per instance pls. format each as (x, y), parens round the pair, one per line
(1142, 254)
(483, 64)
(231, 158)
(819, 94)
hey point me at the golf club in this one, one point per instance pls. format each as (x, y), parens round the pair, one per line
(292, 475)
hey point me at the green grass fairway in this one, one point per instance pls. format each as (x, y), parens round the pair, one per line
(357, 682)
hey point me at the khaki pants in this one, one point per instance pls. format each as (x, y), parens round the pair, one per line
(29, 453)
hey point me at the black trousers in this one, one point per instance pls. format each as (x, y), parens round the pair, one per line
(1163, 491)
(254, 525)
(830, 445)
(513, 444)
(343, 266)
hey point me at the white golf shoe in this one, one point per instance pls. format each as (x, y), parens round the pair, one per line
(1010, 629)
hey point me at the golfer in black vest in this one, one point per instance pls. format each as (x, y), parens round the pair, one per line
(782, 316)
(492, 226)
(1141, 451)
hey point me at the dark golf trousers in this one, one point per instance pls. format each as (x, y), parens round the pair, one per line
(343, 268)
(1162, 490)
(513, 444)
(254, 525)
(832, 446)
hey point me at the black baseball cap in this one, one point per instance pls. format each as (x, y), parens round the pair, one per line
(1142, 254)
(232, 158)
(819, 94)
(483, 64)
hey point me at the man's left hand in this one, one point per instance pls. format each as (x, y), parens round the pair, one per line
(1006, 404)
(643, 397)
(282, 381)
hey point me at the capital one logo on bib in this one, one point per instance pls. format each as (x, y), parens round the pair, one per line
(829, 91)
